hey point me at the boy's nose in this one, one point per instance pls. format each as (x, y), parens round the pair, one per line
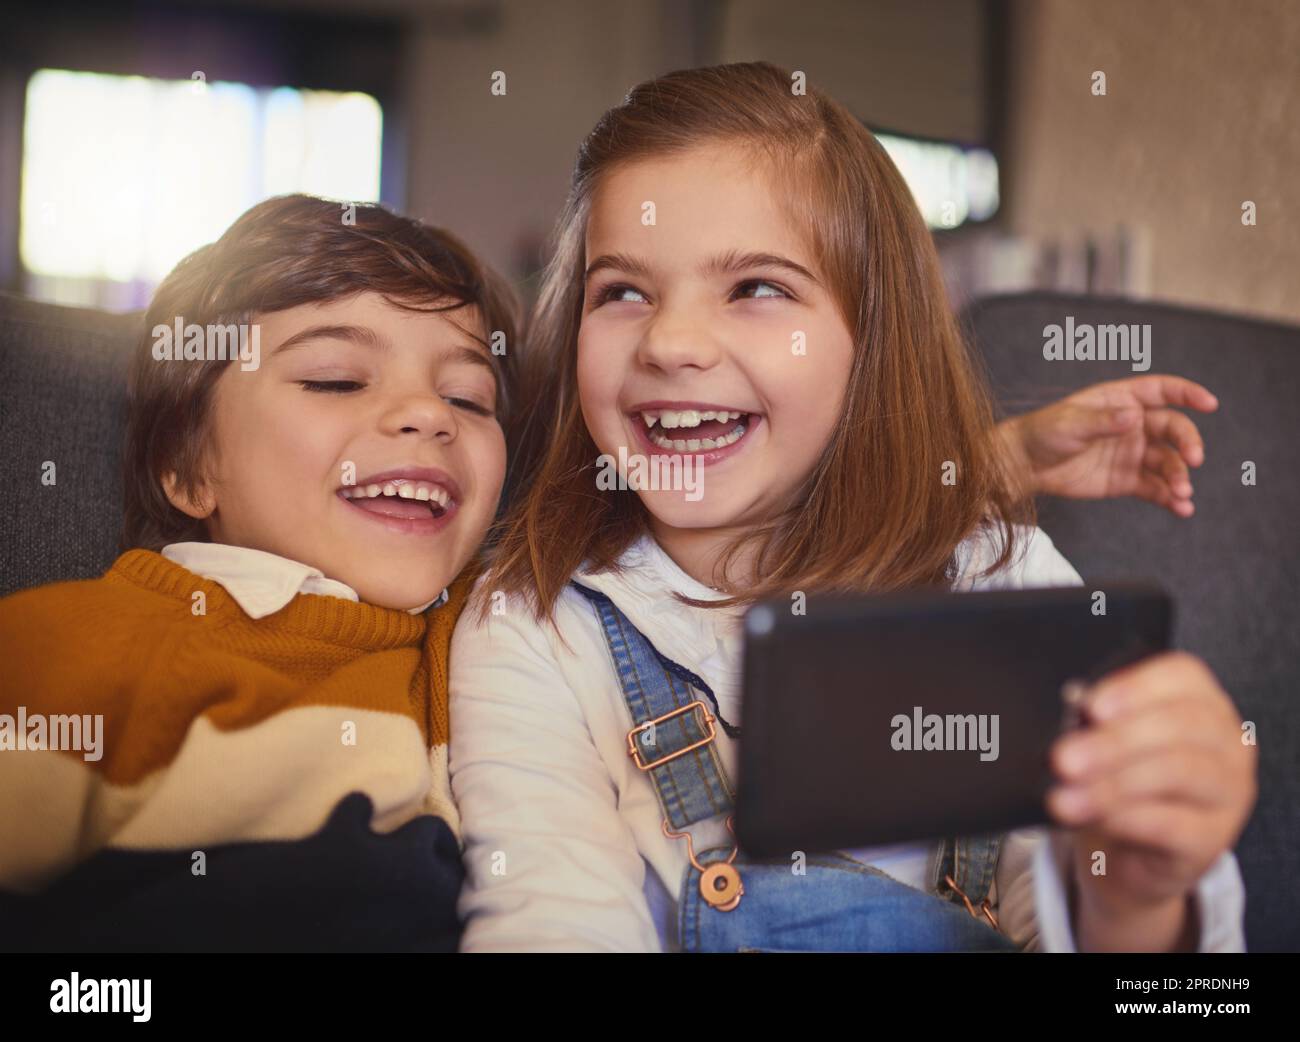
(427, 415)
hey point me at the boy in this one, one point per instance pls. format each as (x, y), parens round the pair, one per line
(236, 738)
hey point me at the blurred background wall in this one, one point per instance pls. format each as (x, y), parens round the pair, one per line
(1202, 113)
(1028, 176)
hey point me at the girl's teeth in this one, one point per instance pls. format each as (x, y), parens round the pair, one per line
(697, 445)
(422, 494)
(373, 490)
(687, 417)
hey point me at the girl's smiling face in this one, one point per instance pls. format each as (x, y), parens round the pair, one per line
(701, 312)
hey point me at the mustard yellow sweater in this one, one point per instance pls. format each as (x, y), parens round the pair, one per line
(176, 780)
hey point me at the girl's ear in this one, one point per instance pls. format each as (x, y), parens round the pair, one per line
(199, 505)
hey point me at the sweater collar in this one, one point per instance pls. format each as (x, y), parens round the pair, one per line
(334, 620)
(262, 583)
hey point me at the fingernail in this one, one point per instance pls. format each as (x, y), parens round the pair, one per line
(1073, 757)
(1102, 704)
(1072, 802)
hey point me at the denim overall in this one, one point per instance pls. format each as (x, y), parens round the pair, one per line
(837, 903)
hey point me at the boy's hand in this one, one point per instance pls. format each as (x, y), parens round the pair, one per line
(1120, 438)
(1161, 783)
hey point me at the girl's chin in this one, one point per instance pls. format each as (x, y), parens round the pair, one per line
(673, 510)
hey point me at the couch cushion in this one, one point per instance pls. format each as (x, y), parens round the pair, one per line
(62, 401)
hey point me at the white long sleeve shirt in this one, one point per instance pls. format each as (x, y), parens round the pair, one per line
(564, 846)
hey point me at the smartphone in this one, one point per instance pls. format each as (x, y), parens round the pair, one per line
(881, 719)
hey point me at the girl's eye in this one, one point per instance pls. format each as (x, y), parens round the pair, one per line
(754, 289)
(615, 294)
(469, 406)
(331, 386)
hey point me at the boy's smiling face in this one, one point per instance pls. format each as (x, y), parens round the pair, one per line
(366, 445)
(694, 319)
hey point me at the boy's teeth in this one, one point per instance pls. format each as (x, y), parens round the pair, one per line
(422, 491)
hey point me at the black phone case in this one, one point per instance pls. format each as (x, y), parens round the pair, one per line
(824, 691)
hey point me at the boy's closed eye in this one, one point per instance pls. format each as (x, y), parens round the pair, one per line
(459, 401)
(469, 405)
(331, 386)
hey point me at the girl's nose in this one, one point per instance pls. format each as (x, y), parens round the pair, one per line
(426, 415)
(677, 341)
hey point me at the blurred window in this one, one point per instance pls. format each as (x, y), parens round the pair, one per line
(122, 176)
(951, 184)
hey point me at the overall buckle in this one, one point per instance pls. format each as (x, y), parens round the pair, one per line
(720, 883)
(984, 905)
(632, 735)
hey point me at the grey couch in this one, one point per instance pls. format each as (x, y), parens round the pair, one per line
(1234, 568)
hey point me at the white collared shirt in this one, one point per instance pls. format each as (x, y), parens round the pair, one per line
(262, 583)
(541, 775)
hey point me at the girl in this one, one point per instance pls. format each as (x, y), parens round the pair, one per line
(743, 281)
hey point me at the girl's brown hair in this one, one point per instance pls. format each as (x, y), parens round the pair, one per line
(286, 251)
(874, 513)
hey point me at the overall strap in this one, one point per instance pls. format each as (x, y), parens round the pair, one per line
(970, 862)
(673, 740)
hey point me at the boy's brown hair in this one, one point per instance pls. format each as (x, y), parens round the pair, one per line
(874, 514)
(286, 251)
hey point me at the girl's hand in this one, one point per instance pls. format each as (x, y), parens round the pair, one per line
(1121, 438)
(1161, 783)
